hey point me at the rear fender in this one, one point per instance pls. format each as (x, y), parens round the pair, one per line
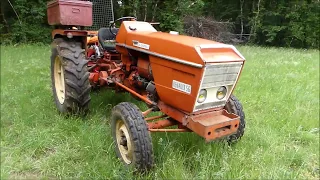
(78, 35)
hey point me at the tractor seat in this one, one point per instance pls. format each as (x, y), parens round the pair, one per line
(107, 39)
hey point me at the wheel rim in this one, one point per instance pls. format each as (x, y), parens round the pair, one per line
(124, 142)
(59, 80)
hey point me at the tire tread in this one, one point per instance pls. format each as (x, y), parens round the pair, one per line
(77, 86)
(234, 106)
(139, 133)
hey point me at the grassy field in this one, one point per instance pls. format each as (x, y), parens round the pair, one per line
(279, 89)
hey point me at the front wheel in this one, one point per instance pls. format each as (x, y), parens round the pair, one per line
(234, 106)
(131, 136)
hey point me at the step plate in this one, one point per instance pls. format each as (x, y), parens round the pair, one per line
(214, 125)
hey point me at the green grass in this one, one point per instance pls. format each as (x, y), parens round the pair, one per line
(279, 89)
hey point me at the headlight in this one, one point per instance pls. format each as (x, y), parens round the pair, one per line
(221, 93)
(202, 96)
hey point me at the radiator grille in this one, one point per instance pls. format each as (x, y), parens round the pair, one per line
(221, 74)
(217, 75)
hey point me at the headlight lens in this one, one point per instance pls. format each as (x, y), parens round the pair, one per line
(202, 96)
(222, 92)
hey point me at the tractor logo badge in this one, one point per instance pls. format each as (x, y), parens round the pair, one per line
(181, 86)
(140, 45)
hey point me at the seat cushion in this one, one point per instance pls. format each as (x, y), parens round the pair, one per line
(105, 38)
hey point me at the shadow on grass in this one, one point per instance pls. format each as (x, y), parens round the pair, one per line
(165, 145)
(103, 100)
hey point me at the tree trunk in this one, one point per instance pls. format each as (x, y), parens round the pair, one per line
(154, 10)
(3, 18)
(145, 10)
(241, 18)
(135, 7)
(254, 27)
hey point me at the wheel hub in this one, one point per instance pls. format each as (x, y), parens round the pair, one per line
(59, 80)
(124, 142)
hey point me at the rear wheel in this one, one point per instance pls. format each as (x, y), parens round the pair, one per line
(234, 106)
(70, 77)
(131, 136)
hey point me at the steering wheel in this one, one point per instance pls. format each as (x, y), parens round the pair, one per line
(112, 24)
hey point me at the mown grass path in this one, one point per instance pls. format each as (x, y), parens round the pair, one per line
(279, 89)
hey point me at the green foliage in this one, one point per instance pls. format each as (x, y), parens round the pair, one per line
(168, 13)
(271, 22)
(31, 33)
(32, 26)
(170, 16)
(172, 12)
(289, 23)
(170, 22)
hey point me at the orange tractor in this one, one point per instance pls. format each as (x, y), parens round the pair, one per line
(188, 80)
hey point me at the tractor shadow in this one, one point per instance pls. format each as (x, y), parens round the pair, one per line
(189, 150)
(186, 147)
(103, 100)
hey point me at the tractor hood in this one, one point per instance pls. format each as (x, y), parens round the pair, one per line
(194, 51)
(181, 65)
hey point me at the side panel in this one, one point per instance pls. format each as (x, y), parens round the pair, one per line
(177, 85)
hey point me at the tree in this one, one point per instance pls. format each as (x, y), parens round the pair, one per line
(290, 23)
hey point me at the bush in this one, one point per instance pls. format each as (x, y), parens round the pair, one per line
(208, 28)
(32, 26)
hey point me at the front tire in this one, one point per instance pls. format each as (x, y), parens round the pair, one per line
(70, 77)
(131, 136)
(234, 106)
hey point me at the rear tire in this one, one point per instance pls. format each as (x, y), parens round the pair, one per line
(70, 77)
(234, 106)
(132, 137)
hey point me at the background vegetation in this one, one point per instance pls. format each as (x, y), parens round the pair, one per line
(290, 23)
(279, 90)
